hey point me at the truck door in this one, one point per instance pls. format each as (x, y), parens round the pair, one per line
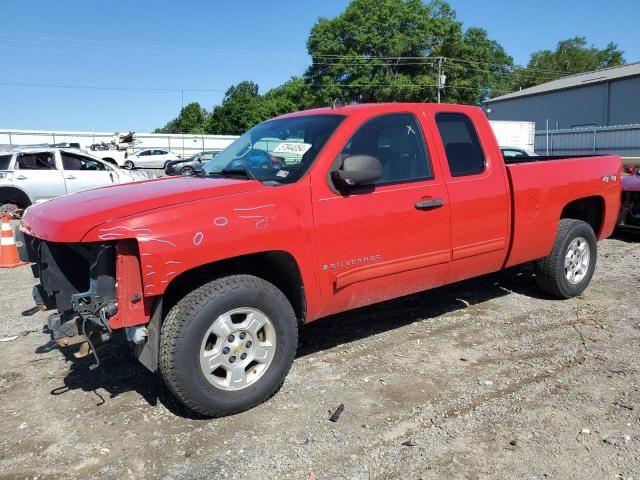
(84, 173)
(388, 239)
(478, 195)
(39, 176)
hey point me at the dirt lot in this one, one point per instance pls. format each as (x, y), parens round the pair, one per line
(484, 379)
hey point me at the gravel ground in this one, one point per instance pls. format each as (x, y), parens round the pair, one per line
(483, 379)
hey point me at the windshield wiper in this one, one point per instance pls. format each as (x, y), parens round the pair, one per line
(232, 172)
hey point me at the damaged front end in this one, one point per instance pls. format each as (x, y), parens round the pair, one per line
(79, 281)
(93, 287)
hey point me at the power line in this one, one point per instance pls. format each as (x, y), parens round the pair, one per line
(97, 87)
(352, 59)
(209, 90)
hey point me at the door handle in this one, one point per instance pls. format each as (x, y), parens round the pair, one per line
(429, 204)
(21, 177)
(70, 177)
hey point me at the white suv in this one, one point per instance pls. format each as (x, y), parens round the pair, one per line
(33, 175)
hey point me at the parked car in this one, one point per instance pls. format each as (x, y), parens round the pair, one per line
(630, 209)
(33, 175)
(191, 165)
(109, 154)
(514, 152)
(210, 277)
(150, 158)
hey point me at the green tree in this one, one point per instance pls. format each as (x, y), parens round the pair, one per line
(291, 96)
(239, 111)
(475, 66)
(571, 56)
(243, 106)
(192, 119)
(383, 50)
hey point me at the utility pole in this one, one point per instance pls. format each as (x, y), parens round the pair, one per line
(441, 77)
(182, 108)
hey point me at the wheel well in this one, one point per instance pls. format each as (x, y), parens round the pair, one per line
(276, 267)
(588, 209)
(14, 195)
(111, 161)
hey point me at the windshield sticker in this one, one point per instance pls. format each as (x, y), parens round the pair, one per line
(282, 173)
(292, 147)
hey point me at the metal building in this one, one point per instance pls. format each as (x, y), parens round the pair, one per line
(601, 98)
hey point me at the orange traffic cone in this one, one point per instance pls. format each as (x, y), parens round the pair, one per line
(9, 257)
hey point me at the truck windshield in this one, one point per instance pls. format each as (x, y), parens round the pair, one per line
(277, 150)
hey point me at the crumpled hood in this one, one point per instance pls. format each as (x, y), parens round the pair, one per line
(71, 217)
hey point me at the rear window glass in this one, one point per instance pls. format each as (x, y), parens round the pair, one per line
(36, 161)
(5, 160)
(461, 144)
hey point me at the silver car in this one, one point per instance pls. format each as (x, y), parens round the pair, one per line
(33, 175)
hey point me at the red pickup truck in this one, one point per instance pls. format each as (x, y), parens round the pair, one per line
(306, 215)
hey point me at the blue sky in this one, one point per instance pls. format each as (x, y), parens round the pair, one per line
(210, 45)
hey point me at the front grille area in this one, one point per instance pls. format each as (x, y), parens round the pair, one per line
(66, 269)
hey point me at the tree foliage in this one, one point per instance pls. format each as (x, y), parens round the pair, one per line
(391, 51)
(356, 54)
(238, 112)
(192, 119)
(573, 55)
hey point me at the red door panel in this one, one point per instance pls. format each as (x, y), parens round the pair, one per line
(385, 242)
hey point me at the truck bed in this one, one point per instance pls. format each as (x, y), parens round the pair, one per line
(545, 158)
(543, 187)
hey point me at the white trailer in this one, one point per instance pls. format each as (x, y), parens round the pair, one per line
(514, 134)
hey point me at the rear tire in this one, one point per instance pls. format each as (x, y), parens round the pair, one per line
(567, 271)
(216, 322)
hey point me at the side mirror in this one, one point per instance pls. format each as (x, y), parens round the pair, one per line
(357, 170)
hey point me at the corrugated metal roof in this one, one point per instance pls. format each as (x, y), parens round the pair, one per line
(573, 81)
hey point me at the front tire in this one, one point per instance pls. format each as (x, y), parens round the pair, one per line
(187, 171)
(228, 345)
(129, 165)
(567, 271)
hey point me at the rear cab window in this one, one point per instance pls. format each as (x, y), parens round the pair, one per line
(461, 144)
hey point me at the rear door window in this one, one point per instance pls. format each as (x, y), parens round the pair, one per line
(461, 144)
(5, 161)
(36, 161)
